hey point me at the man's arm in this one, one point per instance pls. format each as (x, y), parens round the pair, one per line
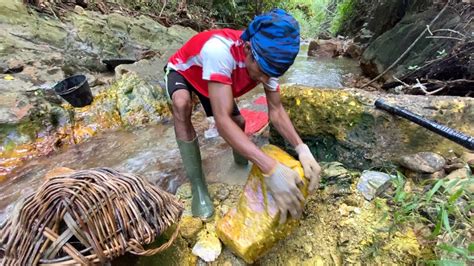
(222, 102)
(281, 181)
(280, 120)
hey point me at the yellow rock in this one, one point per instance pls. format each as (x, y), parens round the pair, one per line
(190, 226)
(252, 228)
(208, 247)
(404, 243)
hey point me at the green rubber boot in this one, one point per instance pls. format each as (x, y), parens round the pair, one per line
(239, 159)
(190, 154)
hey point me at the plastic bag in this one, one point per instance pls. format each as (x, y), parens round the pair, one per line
(252, 227)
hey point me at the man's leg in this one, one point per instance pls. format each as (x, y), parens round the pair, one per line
(189, 147)
(240, 121)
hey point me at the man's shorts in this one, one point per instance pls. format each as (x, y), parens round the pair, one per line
(175, 81)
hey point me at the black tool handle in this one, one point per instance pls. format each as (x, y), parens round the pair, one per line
(447, 132)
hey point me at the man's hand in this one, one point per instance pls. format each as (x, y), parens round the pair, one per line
(311, 168)
(283, 184)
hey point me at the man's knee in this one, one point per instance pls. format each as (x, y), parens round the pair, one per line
(182, 106)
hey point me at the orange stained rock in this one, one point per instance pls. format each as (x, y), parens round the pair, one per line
(252, 227)
(9, 160)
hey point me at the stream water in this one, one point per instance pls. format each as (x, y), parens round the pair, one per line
(152, 152)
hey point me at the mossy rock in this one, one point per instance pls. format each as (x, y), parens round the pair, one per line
(382, 52)
(13, 12)
(344, 125)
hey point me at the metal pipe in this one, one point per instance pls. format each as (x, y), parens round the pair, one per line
(447, 132)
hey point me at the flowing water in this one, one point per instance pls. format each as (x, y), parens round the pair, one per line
(152, 152)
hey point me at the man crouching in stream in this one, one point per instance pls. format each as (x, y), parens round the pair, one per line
(220, 65)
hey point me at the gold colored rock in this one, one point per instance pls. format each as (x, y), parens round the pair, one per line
(252, 227)
(208, 247)
(190, 227)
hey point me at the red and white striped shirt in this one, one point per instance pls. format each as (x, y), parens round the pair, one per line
(216, 55)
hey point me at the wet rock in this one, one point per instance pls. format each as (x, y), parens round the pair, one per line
(423, 162)
(372, 183)
(421, 177)
(454, 164)
(468, 157)
(462, 173)
(333, 170)
(325, 48)
(14, 66)
(335, 175)
(13, 12)
(461, 178)
(150, 70)
(208, 247)
(138, 103)
(353, 51)
(342, 125)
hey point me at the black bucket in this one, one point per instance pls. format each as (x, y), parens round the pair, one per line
(75, 90)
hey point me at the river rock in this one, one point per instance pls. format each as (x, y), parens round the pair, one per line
(190, 227)
(372, 183)
(453, 164)
(468, 157)
(325, 48)
(353, 50)
(461, 173)
(420, 177)
(150, 70)
(461, 178)
(208, 247)
(423, 162)
(343, 125)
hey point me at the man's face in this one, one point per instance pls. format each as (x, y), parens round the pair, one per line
(253, 69)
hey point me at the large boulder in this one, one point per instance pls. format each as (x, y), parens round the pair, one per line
(387, 48)
(83, 37)
(343, 125)
(325, 48)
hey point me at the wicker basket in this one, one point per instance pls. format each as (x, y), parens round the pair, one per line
(87, 217)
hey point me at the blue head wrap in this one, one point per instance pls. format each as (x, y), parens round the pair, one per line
(275, 41)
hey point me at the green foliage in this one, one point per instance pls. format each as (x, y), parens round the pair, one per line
(344, 10)
(310, 14)
(446, 213)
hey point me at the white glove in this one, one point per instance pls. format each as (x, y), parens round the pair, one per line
(283, 184)
(311, 168)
